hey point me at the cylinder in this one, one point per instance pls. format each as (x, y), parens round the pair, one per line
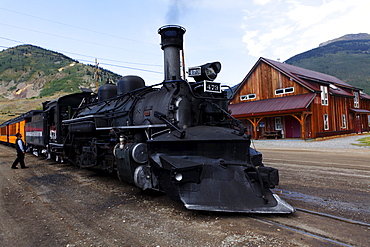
(172, 37)
(82, 127)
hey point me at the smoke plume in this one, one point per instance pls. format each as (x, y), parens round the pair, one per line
(174, 12)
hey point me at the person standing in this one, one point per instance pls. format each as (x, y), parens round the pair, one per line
(19, 145)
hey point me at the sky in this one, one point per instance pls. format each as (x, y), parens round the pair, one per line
(122, 34)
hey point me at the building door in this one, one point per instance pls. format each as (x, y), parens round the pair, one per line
(292, 127)
(358, 127)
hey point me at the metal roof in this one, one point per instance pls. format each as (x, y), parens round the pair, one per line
(361, 111)
(306, 75)
(364, 96)
(287, 104)
(340, 91)
(21, 117)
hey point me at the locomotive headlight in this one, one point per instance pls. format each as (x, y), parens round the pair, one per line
(210, 73)
(178, 177)
(207, 71)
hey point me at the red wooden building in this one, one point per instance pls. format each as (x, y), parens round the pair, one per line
(284, 101)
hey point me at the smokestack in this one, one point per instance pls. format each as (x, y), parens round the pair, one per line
(171, 44)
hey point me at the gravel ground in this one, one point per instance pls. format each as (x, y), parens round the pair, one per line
(54, 204)
(346, 142)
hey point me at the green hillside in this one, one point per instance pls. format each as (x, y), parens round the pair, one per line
(28, 71)
(348, 60)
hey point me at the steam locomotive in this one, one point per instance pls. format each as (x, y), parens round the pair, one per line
(176, 137)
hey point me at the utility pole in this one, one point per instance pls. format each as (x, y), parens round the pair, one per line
(97, 75)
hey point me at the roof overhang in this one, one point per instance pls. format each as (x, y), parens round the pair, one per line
(359, 111)
(275, 106)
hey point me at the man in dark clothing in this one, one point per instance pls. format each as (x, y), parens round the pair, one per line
(19, 145)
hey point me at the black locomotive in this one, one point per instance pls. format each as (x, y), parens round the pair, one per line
(177, 137)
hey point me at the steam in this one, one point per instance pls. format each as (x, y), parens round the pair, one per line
(174, 12)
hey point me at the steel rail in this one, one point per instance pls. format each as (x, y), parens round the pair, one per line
(303, 232)
(334, 217)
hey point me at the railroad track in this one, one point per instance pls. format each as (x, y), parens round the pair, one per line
(326, 181)
(355, 222)
(328, 229)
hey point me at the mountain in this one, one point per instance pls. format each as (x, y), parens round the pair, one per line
(28, 71)
(351, 37)
(347, 58)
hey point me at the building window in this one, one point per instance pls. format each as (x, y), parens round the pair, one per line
(278, 125)
(344, 121)
(356, 100)
(248, 97)
(368, 120)
(326, 122)
(284, 90)
(324, 95)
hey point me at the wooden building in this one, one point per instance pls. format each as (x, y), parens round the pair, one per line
(279, 100)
